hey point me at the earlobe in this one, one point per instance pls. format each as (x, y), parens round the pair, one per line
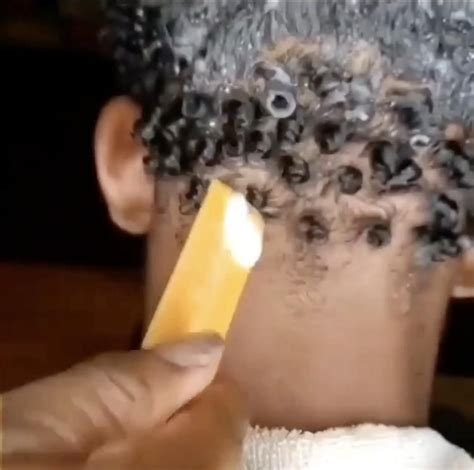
(127, 189)
(464, 286)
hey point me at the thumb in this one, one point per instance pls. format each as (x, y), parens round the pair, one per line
(108, 397)
(143, 388)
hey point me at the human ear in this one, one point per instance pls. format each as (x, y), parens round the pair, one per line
(128, 190)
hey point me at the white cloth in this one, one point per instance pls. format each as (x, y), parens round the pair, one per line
(365, 447)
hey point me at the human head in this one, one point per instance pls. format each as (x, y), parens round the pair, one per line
(354, 144)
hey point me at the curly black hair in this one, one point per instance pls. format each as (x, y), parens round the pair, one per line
(244, 82)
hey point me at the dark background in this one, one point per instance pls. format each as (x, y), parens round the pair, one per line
(51, 208)
(54, 81)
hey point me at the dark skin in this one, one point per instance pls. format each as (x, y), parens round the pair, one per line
(396, 341)
(128, 410)
(328, 315)
(343, 304)
(339, 325)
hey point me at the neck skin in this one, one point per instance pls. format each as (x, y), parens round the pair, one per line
(347, 337)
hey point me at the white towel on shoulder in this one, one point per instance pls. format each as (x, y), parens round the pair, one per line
(365, 447)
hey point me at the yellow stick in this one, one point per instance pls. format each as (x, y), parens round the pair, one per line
(202, 295)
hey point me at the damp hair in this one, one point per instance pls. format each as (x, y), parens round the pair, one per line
(232, 84)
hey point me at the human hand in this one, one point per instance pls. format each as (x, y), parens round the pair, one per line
(137, 410)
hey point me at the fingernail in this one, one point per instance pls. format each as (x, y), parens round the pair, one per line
(198, 350)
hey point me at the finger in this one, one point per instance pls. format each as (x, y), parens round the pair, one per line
(107, 398)
(208, 433)
(154, 386)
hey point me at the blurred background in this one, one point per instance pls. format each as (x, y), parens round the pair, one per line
(70, 282)
(54, 82)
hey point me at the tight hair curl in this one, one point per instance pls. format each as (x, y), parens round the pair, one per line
(249, 82)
